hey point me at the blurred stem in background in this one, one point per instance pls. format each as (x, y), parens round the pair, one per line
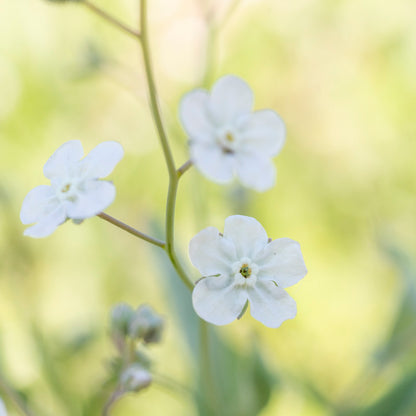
(14, 396)
(213, 29)
(111, 19)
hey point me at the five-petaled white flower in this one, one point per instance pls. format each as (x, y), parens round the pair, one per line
(243, 265)
(227, 139)
(75, 191)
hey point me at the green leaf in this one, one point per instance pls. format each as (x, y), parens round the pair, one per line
(243, 382)
(401, 337)
(400, 400)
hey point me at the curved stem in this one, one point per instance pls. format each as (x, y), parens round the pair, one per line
(131, 230)
(173, 174)
(170, 231)
(95, 9)
(116, 395)
(171, 384)
(154, 103)
(14, 397)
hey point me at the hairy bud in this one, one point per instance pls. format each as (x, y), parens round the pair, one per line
(135, 378)
(146, 324)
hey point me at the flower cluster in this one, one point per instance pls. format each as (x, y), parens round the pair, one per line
(242, 265)
(131, 330)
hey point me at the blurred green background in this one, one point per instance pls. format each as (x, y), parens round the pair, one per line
(341, 73)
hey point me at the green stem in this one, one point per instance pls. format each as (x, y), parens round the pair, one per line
(154, 102)
(173, 174)
(214, 29)
(187, 165)
(170, 231)
(115, 396)
(171, 384)
(208, 383)
(14, 397)
(95, 9)
(131, 230)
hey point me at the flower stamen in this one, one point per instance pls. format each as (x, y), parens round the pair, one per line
(245, 271)
(66, 188)
(229, 137)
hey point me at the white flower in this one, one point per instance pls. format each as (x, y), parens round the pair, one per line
(241, 266)
(75, 191)
(227, 139)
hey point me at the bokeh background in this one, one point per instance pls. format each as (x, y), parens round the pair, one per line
(341, 73)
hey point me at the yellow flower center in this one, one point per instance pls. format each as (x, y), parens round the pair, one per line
(66, 188)
(229, 137)
(245, 271)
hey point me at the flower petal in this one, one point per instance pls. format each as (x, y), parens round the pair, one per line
(216, 300)
(270, 304)
(213, 162)
(211, 253)
(255, 171)
(47, 224)
(38, 201)
(281, 261)
(247, 234)
(230, 98)
(63, 157)
(101, 161)
(193, 112)
(262, 132)
(95, 197)
(3, 411)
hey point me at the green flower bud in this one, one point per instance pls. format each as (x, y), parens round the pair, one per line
(146, 324)
(121, 317)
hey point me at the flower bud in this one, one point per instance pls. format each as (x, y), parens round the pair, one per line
(146, 324)
(121, 317)
(135, 378)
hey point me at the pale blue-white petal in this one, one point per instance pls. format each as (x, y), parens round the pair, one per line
(95, 197)
(261, 132)
(211, 253)
(281, 261)
(101, 161)
(230, 98)
(247, 234)
(270, 304)
(66, 155)
(255, 171)
(217, 300)
(194, 115)
(38, 202)
(46, 225)
(212, 162)
(3, 411)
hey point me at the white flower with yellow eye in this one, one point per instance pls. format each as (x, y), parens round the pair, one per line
(243, 266)
(75, 190)
(227, 138)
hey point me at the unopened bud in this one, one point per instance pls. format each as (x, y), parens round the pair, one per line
(135, 378)
(121, 317)
(146, 324)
